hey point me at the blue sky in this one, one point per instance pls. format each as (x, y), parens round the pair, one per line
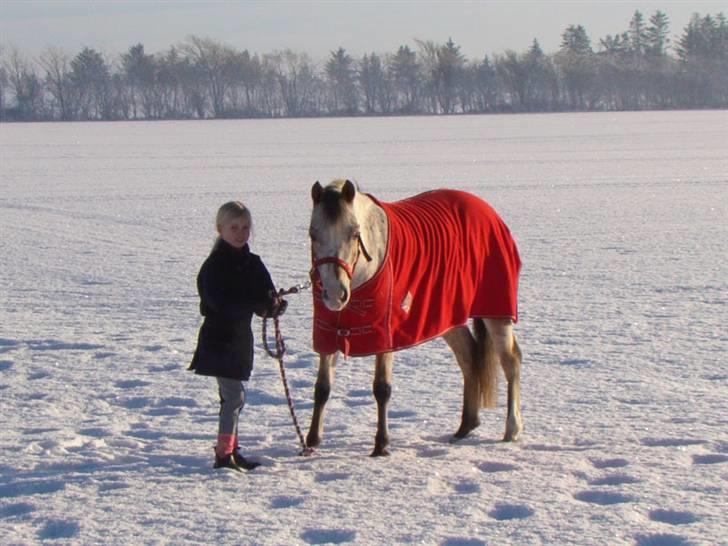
(318, 27)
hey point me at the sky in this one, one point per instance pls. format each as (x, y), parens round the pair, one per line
(319, 27)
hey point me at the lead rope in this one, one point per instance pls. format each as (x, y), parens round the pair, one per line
(280, 351)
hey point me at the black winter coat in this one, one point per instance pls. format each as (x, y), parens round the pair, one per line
(233, 284)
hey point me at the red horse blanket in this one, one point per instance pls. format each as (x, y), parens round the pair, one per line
(450, 257)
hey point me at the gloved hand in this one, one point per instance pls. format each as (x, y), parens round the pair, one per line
(276, 307)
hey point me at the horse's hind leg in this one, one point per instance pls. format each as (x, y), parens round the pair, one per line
(509, 354)
(324, 382)
(462, 343)
(382, 388)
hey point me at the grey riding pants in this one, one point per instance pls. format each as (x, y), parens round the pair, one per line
(232, 400)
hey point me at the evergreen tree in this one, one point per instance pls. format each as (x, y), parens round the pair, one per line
(405, 71)
(577, 63)
(447, 75)
(656, 36)
(139, 73)
(342, 77)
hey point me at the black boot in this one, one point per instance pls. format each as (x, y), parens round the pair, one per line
(242, 462)
(228, 461)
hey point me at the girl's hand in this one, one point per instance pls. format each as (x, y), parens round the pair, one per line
(276, 307)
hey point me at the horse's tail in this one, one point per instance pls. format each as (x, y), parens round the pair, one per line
(486, 363)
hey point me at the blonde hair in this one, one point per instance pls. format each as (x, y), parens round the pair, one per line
(232, 210)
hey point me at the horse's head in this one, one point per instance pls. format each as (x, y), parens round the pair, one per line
(335, 240)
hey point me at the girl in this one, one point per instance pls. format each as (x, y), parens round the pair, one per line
(233, 284)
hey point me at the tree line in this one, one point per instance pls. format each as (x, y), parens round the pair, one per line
(639, 68)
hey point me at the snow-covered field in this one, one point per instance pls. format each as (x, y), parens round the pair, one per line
(621, 220)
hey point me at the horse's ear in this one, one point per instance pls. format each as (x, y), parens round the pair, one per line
(317, 193)
(348, 191)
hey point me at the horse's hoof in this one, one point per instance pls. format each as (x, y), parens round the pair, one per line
(380, 452)
(464, 430)
(312, 441)
(512, 436)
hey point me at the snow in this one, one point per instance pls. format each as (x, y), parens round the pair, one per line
(107, 439)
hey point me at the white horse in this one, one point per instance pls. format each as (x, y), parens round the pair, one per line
(360, 309)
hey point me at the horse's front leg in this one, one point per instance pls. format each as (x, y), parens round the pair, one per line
(324, 382)
(382, 388)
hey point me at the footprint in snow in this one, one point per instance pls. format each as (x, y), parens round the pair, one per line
(354, 402)
(712, 458)
(359, 397)
(467, 488)
(503, 512)
(614, 479)
(27, 488)
(131, 384)
(96, 432)
(609, 463)
(671, 442)
(431, 453)
(603, 498)
(102, 355)
(301, 384)
(16, 510)
(496, 467)
(286, 502)
(168, 367)
(7, 345)
(296, 364)
(59, 529)
(402, 414)
(324, 477)
(673, 517)
(178, 402)
(662, 539)
(328, 536)
(359, 393)
(457, 541)
(57, 345)
(136, 402)
(5, 365)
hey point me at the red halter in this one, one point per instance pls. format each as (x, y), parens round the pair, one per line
(348, 269)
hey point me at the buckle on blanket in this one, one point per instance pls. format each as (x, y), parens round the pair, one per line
(343, 332)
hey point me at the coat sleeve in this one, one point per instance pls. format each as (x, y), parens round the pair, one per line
(266, 287)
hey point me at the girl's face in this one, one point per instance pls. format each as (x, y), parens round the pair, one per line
(235, 232)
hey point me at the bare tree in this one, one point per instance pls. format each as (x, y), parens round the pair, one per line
(296, 80)
(25, 86)
(216, 65)
(57, 66)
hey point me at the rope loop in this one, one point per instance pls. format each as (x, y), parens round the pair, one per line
(278, 354)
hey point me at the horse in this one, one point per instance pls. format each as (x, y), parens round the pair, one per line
(368, 301)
